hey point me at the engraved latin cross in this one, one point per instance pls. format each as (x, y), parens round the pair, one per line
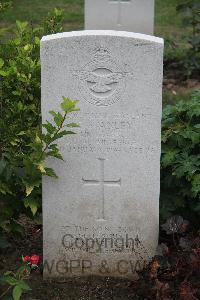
(120, 4)
(102, 182)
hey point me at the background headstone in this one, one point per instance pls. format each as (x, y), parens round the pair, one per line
(102, 215)
(128, 15)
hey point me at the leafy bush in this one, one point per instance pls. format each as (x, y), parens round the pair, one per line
(23, 149)
(190, 9)
(173, 52)
(185, 57)
(5, 5)
(180, 161)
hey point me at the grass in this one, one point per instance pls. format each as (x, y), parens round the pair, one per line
(167, 22)
(36, 10)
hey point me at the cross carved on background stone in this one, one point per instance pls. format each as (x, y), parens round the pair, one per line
(120, 4)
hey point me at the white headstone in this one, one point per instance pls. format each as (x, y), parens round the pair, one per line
(102, 215)
(128, 15)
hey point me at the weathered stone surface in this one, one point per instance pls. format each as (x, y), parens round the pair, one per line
(129, 15)
(101, 216)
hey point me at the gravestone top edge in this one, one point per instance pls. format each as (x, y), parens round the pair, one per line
(114, 33)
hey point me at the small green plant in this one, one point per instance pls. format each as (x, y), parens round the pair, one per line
(21, 142)
(180, 161)
(21, 173)
(16, 281)
(53, 22)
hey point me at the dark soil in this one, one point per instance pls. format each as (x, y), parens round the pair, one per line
(176, 86)
(92, 288)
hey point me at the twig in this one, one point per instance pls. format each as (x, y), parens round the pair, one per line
(4, 293)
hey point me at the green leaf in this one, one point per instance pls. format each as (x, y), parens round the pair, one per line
(58, 118)
(37, 40)
(17, 292)
(169, 157)
(32, 203)
(22, 133)
(17, 228)
(4, 189)
(49, 127)
(1, 63)
(28, 47)
(7, 273)
(38, 140)
(11, 280)
(16, 93)
(68, 106)
(21, 26)
(24, 286)
(59, 135)
(53, 113)
(72, 125)
(196, 184)
(3, 73)
(54, 153)
(29, 190)
(50, 172)
(41, 168)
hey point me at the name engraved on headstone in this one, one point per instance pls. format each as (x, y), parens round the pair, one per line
(116, 135)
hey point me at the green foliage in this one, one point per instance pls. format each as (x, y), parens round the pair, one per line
(190, 9)
(53, 22)
(185, 56)
(180, 161)
(21, 174)
(15, 282)
(23, 148)
(5, 5)
(173, 52)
